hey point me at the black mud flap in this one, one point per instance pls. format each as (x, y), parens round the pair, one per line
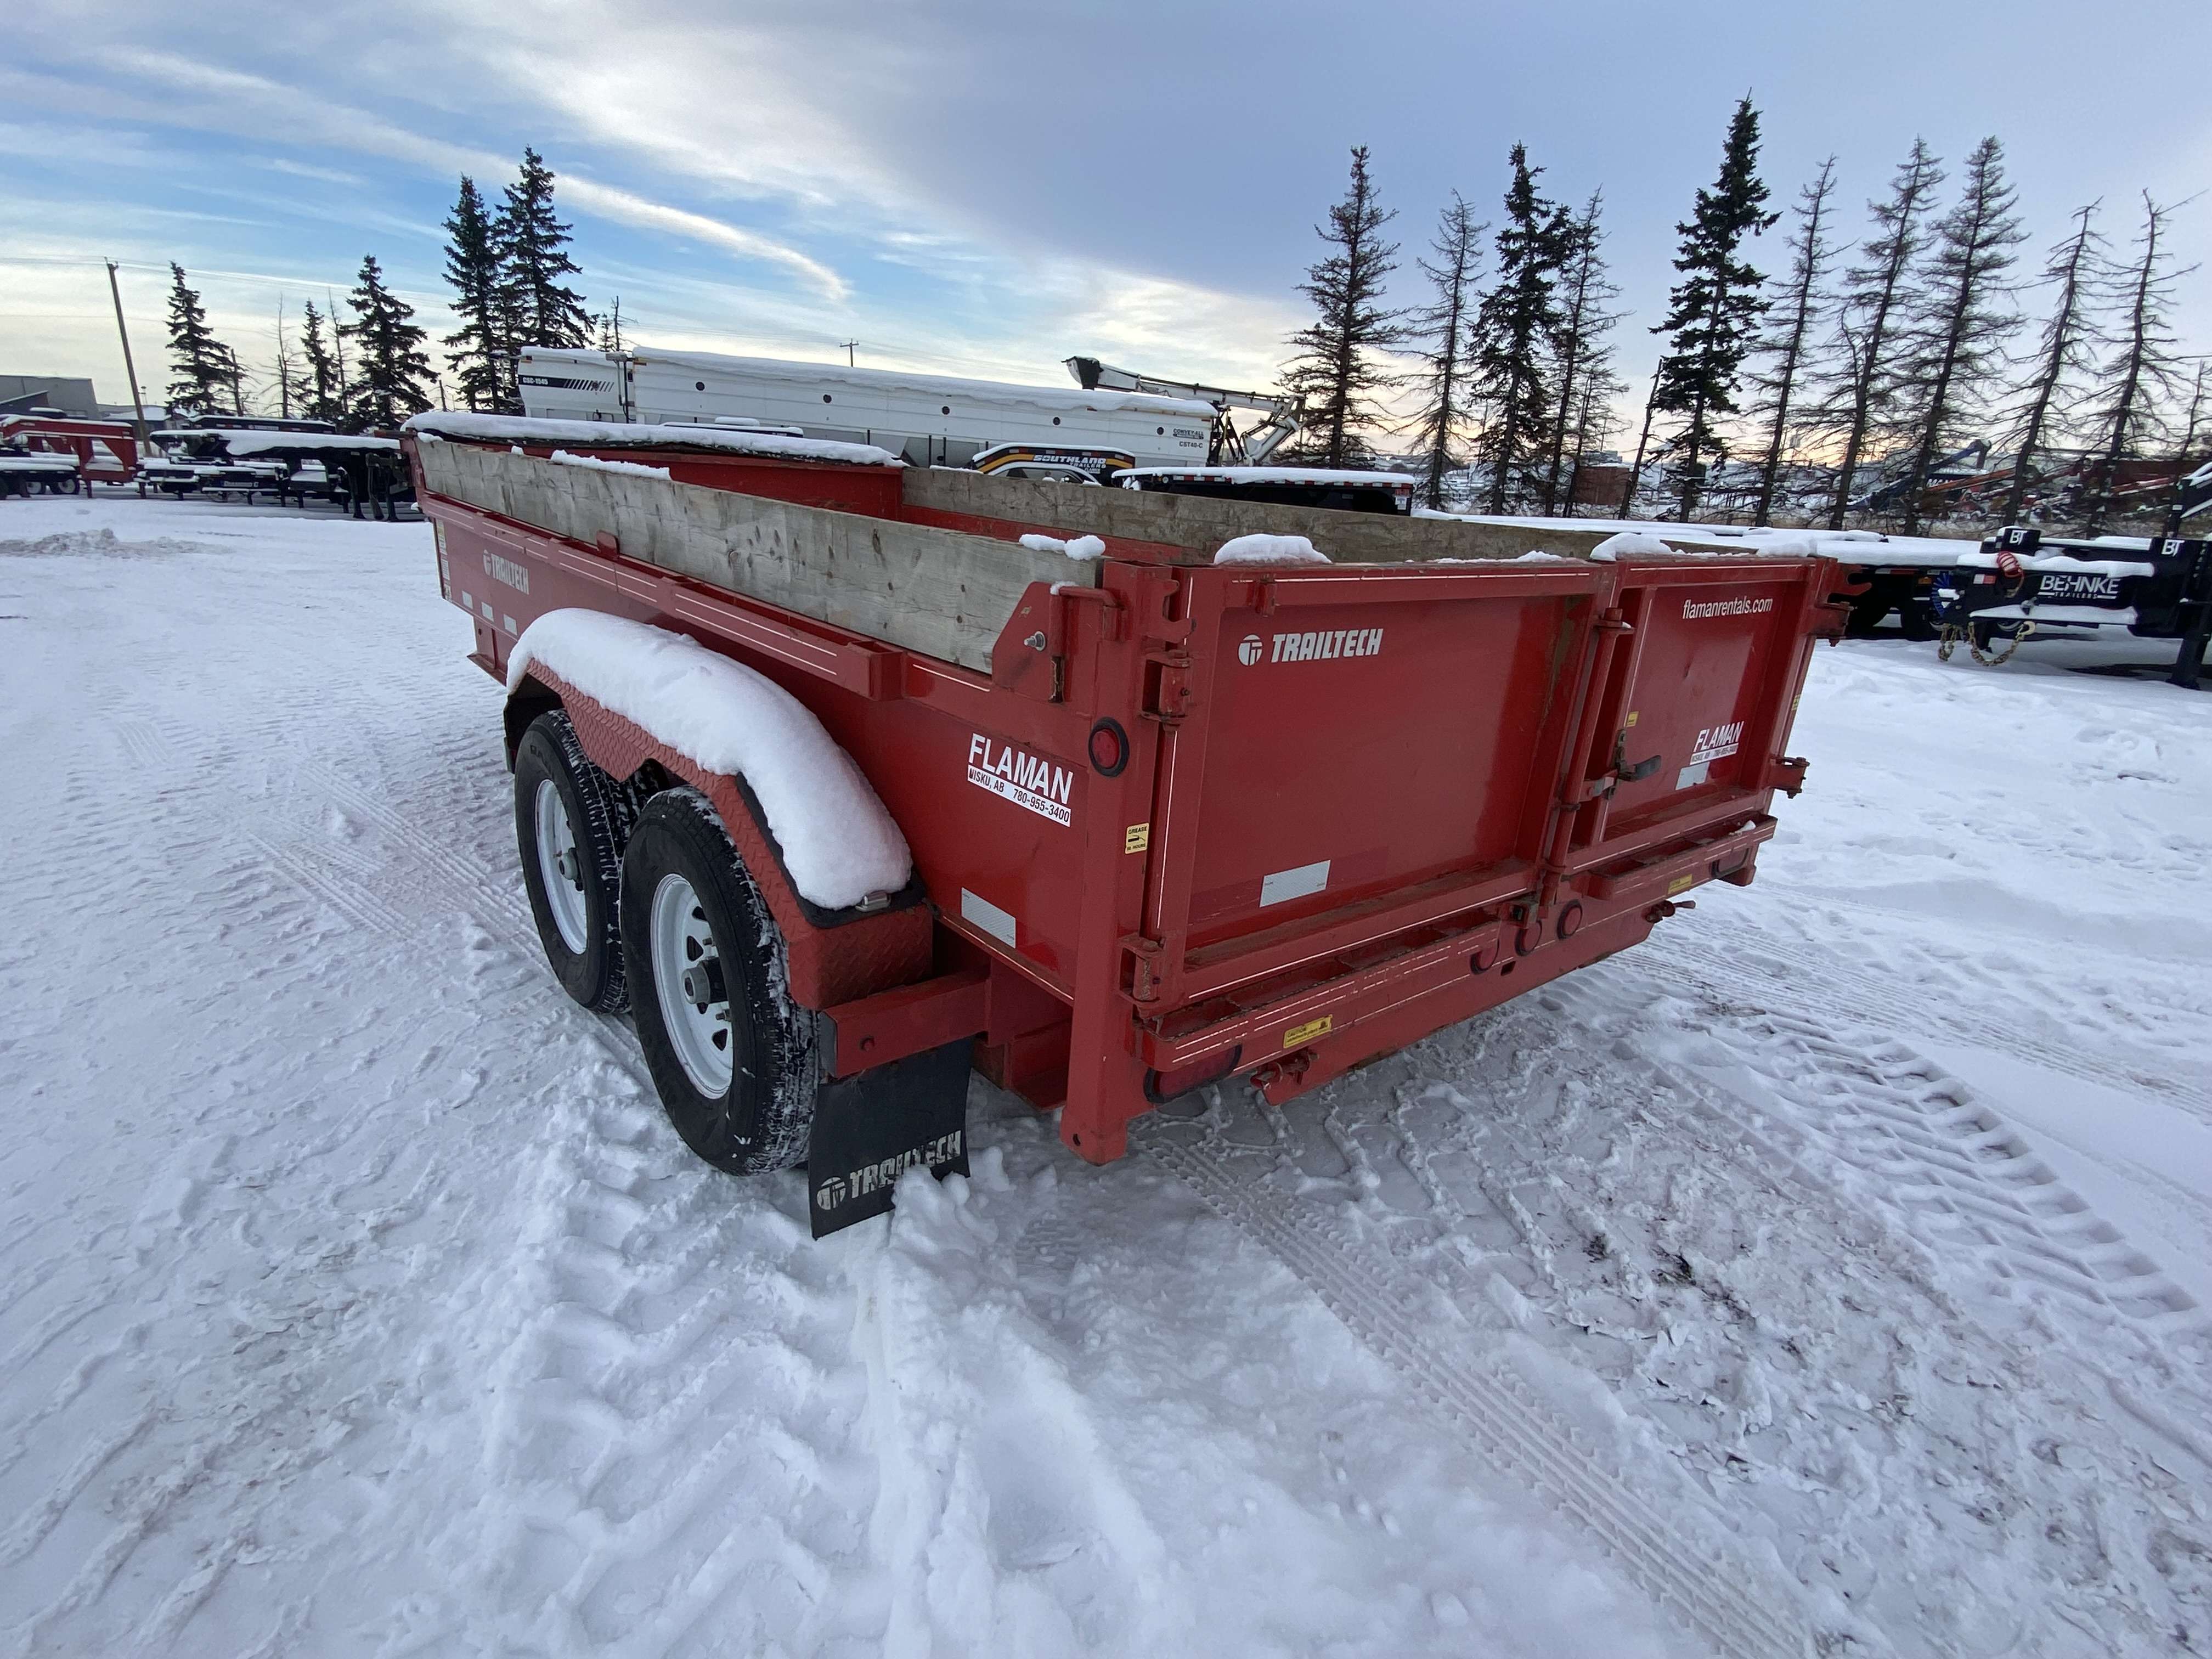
(869, 1128)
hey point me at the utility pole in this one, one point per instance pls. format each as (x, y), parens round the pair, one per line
(137, 407)
(851, 346)
(1628, 490)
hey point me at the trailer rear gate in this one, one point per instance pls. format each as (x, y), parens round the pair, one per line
(1179, 820)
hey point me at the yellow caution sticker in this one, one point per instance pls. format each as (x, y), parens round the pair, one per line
(1678, 884)
(1300, 1035)
(1631, 717)
(1137, 837)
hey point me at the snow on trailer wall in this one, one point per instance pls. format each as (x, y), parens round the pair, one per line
(940, 592)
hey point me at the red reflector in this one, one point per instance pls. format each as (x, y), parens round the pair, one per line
(1109, 747)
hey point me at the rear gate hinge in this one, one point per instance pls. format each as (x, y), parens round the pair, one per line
(1168, 693)
(1144, 967)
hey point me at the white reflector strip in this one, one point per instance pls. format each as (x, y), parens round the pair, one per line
(1294, 883)
(982, 913)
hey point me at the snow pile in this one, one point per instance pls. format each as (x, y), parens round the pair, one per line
(1080, 547)
(1629, 544)
(636, 470)
(1269, 550)
(839, 844)
(265, 443)
(514, 429)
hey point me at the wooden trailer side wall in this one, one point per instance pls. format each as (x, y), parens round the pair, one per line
(941, 592)
(1202, 523)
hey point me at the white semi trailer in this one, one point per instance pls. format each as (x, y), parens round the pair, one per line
(930, 420)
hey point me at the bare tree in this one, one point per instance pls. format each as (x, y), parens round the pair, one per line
(291, 382)
(1581, 350)
(2146, 370)
(1335, 370)
(2063, 354)
(1789, 336)
(1441, 326)
(1960, 325)
(1873, 305)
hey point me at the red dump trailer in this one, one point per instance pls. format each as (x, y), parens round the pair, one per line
(1170, 820)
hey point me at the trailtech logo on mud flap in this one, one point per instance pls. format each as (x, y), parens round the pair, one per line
(1741, 605)
(1037, 785)
(1320, 645)
(1715, 741)
(2079, 584)
(839, 1190)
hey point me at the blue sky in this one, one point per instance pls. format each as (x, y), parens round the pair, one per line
(987, 188)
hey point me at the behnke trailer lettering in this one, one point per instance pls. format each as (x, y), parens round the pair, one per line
(1210, 869)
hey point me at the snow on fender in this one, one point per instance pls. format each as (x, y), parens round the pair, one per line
(839, 843)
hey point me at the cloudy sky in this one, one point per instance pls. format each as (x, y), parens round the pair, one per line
(987, 187)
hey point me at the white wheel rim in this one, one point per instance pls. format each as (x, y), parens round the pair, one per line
(687, 977)
(560, 871)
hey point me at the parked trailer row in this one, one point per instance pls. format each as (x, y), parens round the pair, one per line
(841, 786)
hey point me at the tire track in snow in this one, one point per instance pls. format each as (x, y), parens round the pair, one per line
(1815, 985)
(1905, 1121)
(1725, 1601)
(1697, 1251)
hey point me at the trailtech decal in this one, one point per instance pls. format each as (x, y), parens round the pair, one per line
(833, 1190)
(1036, 785)
(1317, 645)
(507, 570)
(1740, 604)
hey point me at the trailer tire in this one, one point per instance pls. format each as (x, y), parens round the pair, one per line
(739, 1083)
(575, 889)
(1868, 614)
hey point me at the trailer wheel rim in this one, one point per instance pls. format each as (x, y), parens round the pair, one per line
(560, 871)
(688, 979)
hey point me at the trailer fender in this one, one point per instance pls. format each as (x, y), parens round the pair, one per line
(838, 953)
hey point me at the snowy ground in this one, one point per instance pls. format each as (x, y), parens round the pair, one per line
(1831, 1272)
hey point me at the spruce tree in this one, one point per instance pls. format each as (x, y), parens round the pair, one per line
(2144, 370)
(536, 309)
(207, 370)
(1334, 373)
(2063, 355)
(1714, 310)
(1581, 350)
(1871, 314)
(1441, 327)
(1791, 337)
(1515, 327)
(394, 366)
(477, 350)
(1961, 321)
(322, 396)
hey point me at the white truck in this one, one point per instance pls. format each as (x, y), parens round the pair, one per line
(927, 420)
